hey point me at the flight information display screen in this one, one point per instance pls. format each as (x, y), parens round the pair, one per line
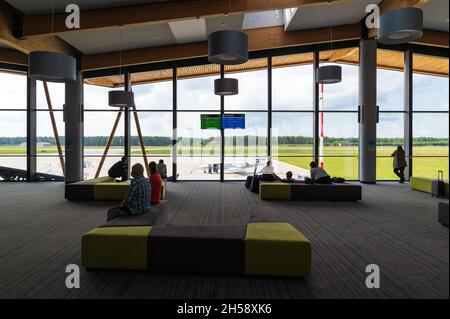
(233, 121)
(210, 121)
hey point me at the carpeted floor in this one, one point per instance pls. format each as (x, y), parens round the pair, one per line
(393, 227)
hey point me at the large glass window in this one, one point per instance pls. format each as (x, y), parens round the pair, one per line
(430, 119)
(153, 96)
(252, 87)
(244, 146)
(390, 133)
(13, 119)
(341, 96)
(196, 92)
(292, 142)
(430, 144)
(99, 122)
(339, 154)
(292, 84)
(156, 128)
(198, 151)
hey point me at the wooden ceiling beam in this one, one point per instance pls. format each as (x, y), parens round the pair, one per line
(153, 13)
(13, 56)
(433, 38)
(44, 43)
(259, 39)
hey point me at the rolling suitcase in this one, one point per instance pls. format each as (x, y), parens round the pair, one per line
(438, 186)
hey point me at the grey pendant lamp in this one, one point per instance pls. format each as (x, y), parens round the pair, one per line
(401, 26)
(226, 86)
(227, 47)
(331, 73)
(120, 98)
(52, 66)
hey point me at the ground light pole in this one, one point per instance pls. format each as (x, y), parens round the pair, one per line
(321, 147)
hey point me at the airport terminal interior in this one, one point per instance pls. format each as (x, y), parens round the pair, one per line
(250, 149)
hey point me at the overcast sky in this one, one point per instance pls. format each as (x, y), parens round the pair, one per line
(292, 90)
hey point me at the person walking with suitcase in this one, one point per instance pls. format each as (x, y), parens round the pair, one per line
(399, 163)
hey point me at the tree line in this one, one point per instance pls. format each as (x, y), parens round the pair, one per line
(283, 140)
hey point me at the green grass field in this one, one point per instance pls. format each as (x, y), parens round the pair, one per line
(339, 160)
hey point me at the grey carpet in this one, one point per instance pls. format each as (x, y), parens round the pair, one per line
(393, 227)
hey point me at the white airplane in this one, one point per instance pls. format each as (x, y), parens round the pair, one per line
(229, 168)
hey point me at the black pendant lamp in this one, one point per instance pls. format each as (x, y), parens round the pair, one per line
(227, 47)
(52, 67)
(401, 26)
(226, 86)
(329, 74)
(121, 98)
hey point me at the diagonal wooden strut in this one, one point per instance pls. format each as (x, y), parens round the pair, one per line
(108, 145)
(55, 128)
(141, 139)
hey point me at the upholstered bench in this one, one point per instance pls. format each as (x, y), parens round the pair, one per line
(263, 247)
(103, 188)
(443, 213)
(116, 248)
(310, 192)
(275, 191)
(276, 249)
(212, 249)
(424, 184)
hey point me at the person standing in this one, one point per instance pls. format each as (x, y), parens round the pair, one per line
(136, 201)
(162, 169)
(399, 163)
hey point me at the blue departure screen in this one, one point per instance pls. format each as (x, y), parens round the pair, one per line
(233, 121)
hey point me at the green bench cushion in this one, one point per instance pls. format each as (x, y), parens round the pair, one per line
(115, 248)
(110, 191)
(275, 191)
(102, 188)
(276, 249)
(94, 181)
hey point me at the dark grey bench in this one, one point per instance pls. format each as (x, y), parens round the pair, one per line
(443, 213)
(331, 192)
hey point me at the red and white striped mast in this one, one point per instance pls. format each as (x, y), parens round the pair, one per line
(321, 148)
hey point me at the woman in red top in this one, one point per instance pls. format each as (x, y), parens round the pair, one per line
(156, 182)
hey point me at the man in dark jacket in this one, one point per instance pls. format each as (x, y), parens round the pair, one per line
(119, 170)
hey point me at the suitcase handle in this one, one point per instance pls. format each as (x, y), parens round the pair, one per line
(441, 175)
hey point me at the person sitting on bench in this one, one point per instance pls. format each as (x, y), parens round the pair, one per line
(289, 178)
(319, 175)
(137, 198)
(268, 169)
(119, 170)
(156, 183)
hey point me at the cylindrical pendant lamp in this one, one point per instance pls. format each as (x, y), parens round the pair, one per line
(228, 47)
(329, 74)
(401, 26)
(52, 67)
(120, 98)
